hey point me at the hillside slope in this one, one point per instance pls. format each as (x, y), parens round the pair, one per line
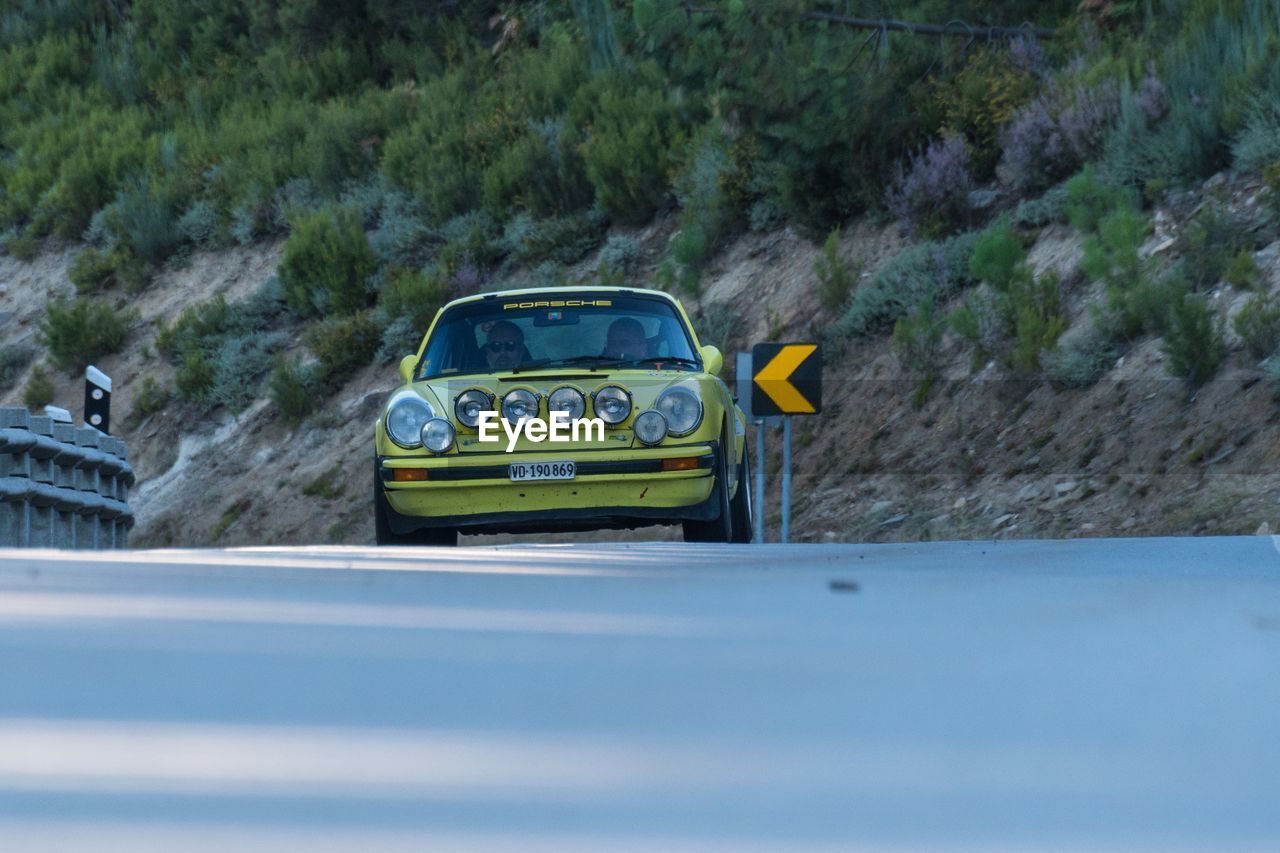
(985, 455)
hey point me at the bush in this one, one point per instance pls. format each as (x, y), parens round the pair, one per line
(1210, 243)
(1038, 320)
(1242, 272)
(414, 295)
(1080, 362)
(1089, 199)
(90, 270)
(931, 192)
(39, 390)
(152, 398)
(982, 98)
(997, 256)
(634, 125)
(1037, 212)
(1133, 298)
(81, 332)
(618, 258)
(22, 246)
(1258, 325)
(200, 224)
(326, 262)
(342, 345)
(983, 320)
(195, 377)
(13, 360)
(563, 239)
(925, 271)
(1193, 343)
(293, 390)
(836, 278)
(1051, 136)
(223, 350)
(916, 341)
(142, 219)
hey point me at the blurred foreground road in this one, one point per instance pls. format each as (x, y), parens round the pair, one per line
(1091, 694)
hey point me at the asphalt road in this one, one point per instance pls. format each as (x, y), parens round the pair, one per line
(1091, 694)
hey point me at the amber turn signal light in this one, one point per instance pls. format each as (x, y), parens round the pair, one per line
(685, 463)
(408, 475)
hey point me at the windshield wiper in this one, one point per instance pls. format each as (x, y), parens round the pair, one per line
(594, 361)
(664, 359)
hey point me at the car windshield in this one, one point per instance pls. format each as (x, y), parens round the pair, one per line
(588, 329)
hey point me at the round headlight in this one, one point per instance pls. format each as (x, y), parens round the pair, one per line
(612, 404)
(437, 435)
(650, 427)
(519, 404)
(567, 400)
(405, 420)
(682, 409)
(469, 405)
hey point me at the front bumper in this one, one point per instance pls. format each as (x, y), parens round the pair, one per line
(611, 490)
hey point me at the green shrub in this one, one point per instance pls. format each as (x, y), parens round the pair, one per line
(563, 239)
(1258, 325)
(836, 278)
(293, 390)
(39, 390)
(142, 219)
(1089, 200)
(916, 341)
(1037, 212)
(1111, 256)
(22, 246)
(1242, 272)
(997, 256)
(1038, 320)
(223, 350)
(634, 127)
(1193, 344)
(90, 270)
(195, 376)
(1080, 362)
(618, 259)
(81, 332)
(925, 271)
(326, 262)
(152, 398)
(413, 294)
(13, 360)
(1211, 242)
(983, 320)
(342, 345)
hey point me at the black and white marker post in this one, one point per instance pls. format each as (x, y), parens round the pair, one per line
(97, 399)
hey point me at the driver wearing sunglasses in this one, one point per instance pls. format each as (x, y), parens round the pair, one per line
(504, 347)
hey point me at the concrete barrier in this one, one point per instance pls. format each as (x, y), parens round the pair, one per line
(61, 486)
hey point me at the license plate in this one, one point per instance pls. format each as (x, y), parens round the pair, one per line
(520, 471)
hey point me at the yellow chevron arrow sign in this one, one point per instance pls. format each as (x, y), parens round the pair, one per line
(789, 382)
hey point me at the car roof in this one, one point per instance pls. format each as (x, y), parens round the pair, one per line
(545, 291)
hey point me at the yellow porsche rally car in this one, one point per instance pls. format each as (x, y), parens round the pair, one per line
(561, 409)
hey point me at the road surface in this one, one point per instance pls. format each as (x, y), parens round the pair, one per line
(1088, 694)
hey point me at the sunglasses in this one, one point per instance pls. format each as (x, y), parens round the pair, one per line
(502, 346)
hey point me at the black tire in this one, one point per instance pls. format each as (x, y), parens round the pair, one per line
(720, 528)
(740, 508)
(384, 535)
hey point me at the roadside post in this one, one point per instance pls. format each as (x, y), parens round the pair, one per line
(97, 399)
(743, 383)
(786, 380)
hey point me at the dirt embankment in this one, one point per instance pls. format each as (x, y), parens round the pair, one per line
(984, 456)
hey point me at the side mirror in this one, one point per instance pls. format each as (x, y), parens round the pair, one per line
(407, 364)
(712, 360)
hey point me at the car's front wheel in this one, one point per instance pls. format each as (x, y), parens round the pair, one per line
(740, 507)
(384, 535)
(720, 528)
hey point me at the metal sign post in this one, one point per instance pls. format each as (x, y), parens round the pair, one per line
(786, 381)
(757, 533)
